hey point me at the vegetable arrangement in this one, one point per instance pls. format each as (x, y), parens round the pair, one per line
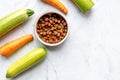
(26, 62)
(14, 19)
(10, 47)
(20, 16)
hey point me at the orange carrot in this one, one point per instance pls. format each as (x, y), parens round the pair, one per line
(57, 4)
(10, 47)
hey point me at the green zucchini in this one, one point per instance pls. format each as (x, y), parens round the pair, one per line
(84, 5)
(14, 19)
(26, 62)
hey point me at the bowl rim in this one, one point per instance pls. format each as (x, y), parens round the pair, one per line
(45, 43)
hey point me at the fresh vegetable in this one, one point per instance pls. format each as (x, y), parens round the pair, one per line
(57, 4)
(26, 62)
(10, 47)
(14, 19)
(84, 5)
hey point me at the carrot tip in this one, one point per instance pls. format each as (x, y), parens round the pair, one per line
(57, 4)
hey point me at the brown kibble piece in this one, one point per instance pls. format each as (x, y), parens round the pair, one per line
(64, 24)
(58, 21)
(44, 33)
(46, 23)
(50, 41)
(64, 34)
(49, 24)
(55, 33)
(41, 19)
(58, 34)
(59, 27)
(55, 20)
(51, 21)
(43, 22)
(49, 32)
(42, 25)
(65, 31)
(46, 19)
(41, 33)
(38, 31)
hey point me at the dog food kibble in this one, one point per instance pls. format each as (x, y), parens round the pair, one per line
(52, 28)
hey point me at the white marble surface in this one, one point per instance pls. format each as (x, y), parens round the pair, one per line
(91, 51)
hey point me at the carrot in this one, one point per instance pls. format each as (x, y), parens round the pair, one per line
(10, 47)
(57, 4)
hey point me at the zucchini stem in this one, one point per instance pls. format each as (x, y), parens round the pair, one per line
(8, 76)
(30, 12)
